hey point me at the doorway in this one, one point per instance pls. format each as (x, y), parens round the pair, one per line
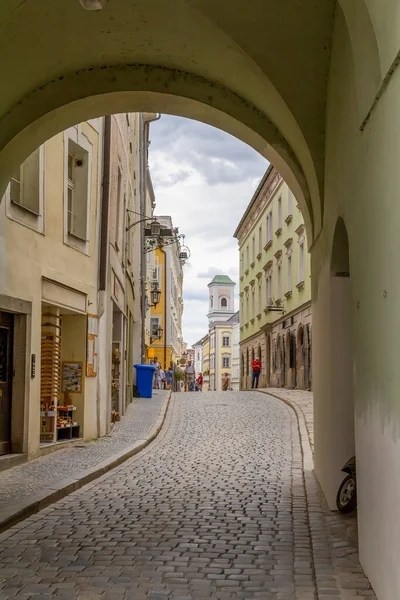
(6, 376)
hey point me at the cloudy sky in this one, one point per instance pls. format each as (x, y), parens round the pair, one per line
(204, 178)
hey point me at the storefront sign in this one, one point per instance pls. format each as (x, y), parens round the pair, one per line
(92, 346)
(72, 377)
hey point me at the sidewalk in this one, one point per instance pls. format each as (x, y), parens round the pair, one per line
(335, 536)
(29, 487)
(300, 399)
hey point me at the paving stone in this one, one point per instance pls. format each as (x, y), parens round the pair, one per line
(218, 507)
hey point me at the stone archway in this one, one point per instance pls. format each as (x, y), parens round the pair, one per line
(334, 415)
(300, 358)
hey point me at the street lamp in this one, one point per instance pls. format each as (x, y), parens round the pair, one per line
(155, 296)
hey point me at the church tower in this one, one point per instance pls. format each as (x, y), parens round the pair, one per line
(221, 299)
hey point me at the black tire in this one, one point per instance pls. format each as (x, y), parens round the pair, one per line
(346, 499)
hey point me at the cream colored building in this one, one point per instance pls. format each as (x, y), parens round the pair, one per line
(275, 287)
(49, 302)
(206, 362)
(221, 309)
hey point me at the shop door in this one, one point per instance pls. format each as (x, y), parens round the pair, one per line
(6, 374)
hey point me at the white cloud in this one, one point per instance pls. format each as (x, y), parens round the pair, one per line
(204, 178)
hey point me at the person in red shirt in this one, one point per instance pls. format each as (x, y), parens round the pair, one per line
(255, 375)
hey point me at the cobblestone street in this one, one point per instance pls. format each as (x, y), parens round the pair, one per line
(216, 507)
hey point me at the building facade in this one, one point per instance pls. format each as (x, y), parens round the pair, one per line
(221, 310)
(71, 326)
(166, 316)
(235, 381)
(275, 288)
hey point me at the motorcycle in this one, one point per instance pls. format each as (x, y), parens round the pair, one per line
(346, 499)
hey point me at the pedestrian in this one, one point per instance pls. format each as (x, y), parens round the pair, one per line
(157, 367)
(225, 382)
(189, 376)
(255, 372)
(199, 381)
(160, 379)
(169, 375)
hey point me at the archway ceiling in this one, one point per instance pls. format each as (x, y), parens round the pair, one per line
(270, 58)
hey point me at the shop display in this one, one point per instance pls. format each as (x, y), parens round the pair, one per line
(57, 421)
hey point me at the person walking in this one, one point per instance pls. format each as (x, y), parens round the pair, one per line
(157, 365)
(255, 372)
(200, 382)
(225, 383)
(189, 377)
(169, 375)
(160, 379)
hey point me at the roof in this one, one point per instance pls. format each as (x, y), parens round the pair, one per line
(234, 318)
(254, 199)
(222, 279)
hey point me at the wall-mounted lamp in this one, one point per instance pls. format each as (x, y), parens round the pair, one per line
(93, 4)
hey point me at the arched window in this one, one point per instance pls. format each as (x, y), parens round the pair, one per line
(224, 303)
(211, 301)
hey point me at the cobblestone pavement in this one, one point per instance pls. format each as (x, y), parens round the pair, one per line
(303, 400)
(341, 530)
(22, 481)
(216, 507)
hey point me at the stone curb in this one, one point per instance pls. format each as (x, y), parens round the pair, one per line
(325, 577)
(52, 493)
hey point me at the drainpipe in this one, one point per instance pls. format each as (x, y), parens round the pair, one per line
(165, 307)
(143, 144)
(105, 208)
(104, 241)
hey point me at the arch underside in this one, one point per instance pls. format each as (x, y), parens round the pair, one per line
(214, 62)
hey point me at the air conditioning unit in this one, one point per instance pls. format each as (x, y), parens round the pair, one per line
(270, 301)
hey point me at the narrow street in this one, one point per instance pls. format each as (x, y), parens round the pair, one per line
(215, 507)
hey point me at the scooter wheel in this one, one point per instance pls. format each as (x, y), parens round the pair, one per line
(346, 499)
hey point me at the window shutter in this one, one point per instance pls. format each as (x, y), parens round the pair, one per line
(30, 193)
(79, 220)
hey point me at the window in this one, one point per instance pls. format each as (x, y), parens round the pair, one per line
(247, 257)
(260, 245)
(242, 264)
(269, 226)
(253, 249)
(279, 290)
(301, 262)
(211, 301)
(247, 309)
(225, 362)
(259, 299)
(154, 325)
(253, 309)
(77, 190)
(226, 341)
(118, 211)
(269, 289)
(290, 204)
(224, 303)
(25, 183)
(280, 212)
(289, 274)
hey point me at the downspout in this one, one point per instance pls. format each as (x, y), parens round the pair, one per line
(165, 307)
(143, 144)
(105, 208)
(103, 253)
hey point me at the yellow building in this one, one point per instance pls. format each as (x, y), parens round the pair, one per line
(275, 287)
(166, 316)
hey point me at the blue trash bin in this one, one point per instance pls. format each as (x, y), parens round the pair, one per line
(144, 380)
